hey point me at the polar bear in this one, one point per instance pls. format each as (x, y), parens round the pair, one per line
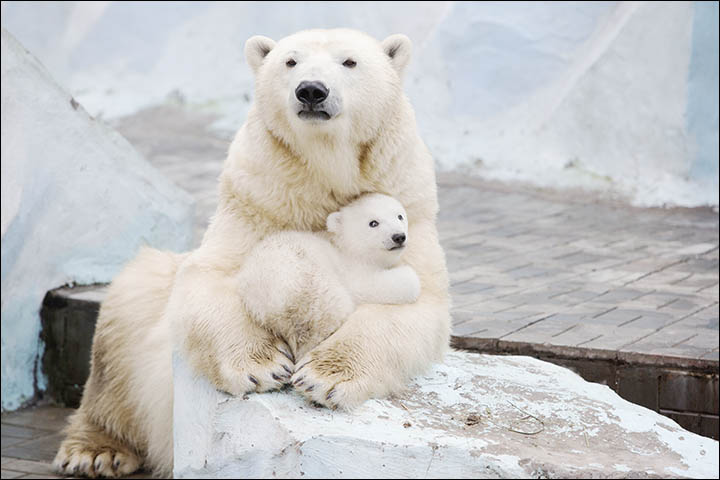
(329, 122)
(302, 286)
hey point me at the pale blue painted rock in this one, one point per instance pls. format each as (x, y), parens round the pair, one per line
(77, 203)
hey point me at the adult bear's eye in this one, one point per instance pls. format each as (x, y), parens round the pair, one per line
(291, 63)
(400, 217)
(374, 224)
(350, 63)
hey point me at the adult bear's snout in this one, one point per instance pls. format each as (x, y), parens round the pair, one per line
(311, 93)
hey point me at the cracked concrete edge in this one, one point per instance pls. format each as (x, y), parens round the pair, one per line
(548, 352)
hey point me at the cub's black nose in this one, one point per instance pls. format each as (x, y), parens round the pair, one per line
(399, 238)
(311, 93)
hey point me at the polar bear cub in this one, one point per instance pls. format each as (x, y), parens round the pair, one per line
(303, 285)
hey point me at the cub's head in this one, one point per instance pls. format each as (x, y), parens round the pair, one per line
(326, 81)
(373, 229)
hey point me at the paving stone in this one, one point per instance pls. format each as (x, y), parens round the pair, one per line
(32, 449)
(710, 293)
(22, 433)
(615, 316)
(489, 327)
(27, 466)
(680, 305)
(38, 449)
(711, 355)
(472, 328)
(681, 338)
(648, 320)
(617, 337)
(11, 474)
(38, 417)
(471, 286)
(543, 331)
(578, 296)
(660, 349)
(616, 296)
(9, 441)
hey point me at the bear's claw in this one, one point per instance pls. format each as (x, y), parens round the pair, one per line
(287, 353)
(330, 387)
(269, 372)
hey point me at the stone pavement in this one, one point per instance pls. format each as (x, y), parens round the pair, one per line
(30, 439)
(529, 266)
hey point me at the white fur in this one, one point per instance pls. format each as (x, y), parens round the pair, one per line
(303, 286)
(282, 173)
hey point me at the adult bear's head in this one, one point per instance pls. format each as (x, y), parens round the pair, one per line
(328, 82)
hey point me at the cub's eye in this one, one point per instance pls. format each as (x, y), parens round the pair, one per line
(400, 217)
(291, 63)
(349, 63)
(373, 224)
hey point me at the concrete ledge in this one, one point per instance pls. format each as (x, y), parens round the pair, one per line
(477, 416)
(68, 317)
(684, 389)
(545, 350)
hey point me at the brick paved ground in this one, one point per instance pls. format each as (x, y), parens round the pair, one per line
(525, 265)
(544, 268)
(30, 439)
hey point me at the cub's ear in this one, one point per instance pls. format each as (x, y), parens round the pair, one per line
(256, 48)
(334, 221)
(398, 47)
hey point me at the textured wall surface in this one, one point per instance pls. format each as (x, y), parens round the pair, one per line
(77, 203)
(611, 96)
(702, 110)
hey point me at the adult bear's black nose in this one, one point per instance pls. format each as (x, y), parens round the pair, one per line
(399, 238)
(311, 93)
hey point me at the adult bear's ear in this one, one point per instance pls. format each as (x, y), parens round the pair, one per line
(256, 48)
(398, 47)
(334, 221)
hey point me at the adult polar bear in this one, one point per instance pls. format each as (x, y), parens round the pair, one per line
(329, 122)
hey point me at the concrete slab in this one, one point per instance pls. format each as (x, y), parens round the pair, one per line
(474, 416)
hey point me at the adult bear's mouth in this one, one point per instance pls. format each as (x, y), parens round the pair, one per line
(313, 114)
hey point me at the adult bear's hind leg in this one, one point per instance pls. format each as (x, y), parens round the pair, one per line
(89, 451)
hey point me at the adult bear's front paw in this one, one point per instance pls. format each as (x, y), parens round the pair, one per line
(265, 366)
(329, 376)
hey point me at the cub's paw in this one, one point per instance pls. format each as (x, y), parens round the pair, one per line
(329, 380)
(77, 459)
(409, 284)
(269, 366)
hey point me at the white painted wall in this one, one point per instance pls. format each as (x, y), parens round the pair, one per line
(600, 95)
(77, 202)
